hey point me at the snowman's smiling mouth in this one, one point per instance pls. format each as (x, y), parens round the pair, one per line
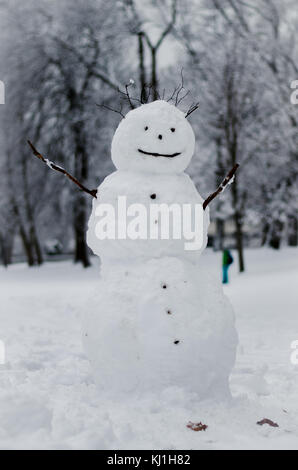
(154, 154)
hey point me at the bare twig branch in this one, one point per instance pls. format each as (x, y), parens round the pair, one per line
(53, 166)
(173, 94)
(105, 106)
(183, 97)
(180, 88)
(192, 109)
(228, 180)
(128, 95)
(124, 94)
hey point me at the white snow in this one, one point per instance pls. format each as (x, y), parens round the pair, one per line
(48, 399)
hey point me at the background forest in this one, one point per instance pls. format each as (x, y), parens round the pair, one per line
(60, 59)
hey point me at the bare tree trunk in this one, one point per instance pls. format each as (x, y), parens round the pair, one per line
(6, 246)
(27, 246)
(238, 226)
(220, 173)
(33, 236)
(276, 234)
(220, 234)
(80, 226)
(3, 251)
(36, 245)
(239, 241)
(80, 209)
(265, 232)
(9, 250)
(154, 80)
(293, 231)
(142, 70)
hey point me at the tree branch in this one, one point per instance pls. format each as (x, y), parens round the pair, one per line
(109, 108)
(53, 166)
(166, 31)
(228, 180)
(93, 72)
(170, 25)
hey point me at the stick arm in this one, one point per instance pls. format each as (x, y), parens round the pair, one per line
(53, 166)
(228, 180)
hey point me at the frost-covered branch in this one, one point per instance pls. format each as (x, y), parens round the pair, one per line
(229, 179)
(53, 166)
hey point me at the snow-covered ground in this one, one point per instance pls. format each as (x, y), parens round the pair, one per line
(48, 399)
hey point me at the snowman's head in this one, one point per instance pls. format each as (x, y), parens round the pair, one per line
(154, 138)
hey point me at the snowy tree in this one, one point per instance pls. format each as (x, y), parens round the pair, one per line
(62, 77)
(269, 29)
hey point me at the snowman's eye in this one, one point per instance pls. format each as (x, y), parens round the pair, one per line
(146, 128)
(173, 129)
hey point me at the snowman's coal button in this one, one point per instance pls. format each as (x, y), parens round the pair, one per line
(176, 341)
(153, 196)
(164, 286)
(160, 137)
(169, 312)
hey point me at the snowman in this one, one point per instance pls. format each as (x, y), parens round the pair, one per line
(157, 318)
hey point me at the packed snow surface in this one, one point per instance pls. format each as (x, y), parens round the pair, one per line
(48, 399)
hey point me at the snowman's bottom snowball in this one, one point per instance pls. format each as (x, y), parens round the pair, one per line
(159, 324)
